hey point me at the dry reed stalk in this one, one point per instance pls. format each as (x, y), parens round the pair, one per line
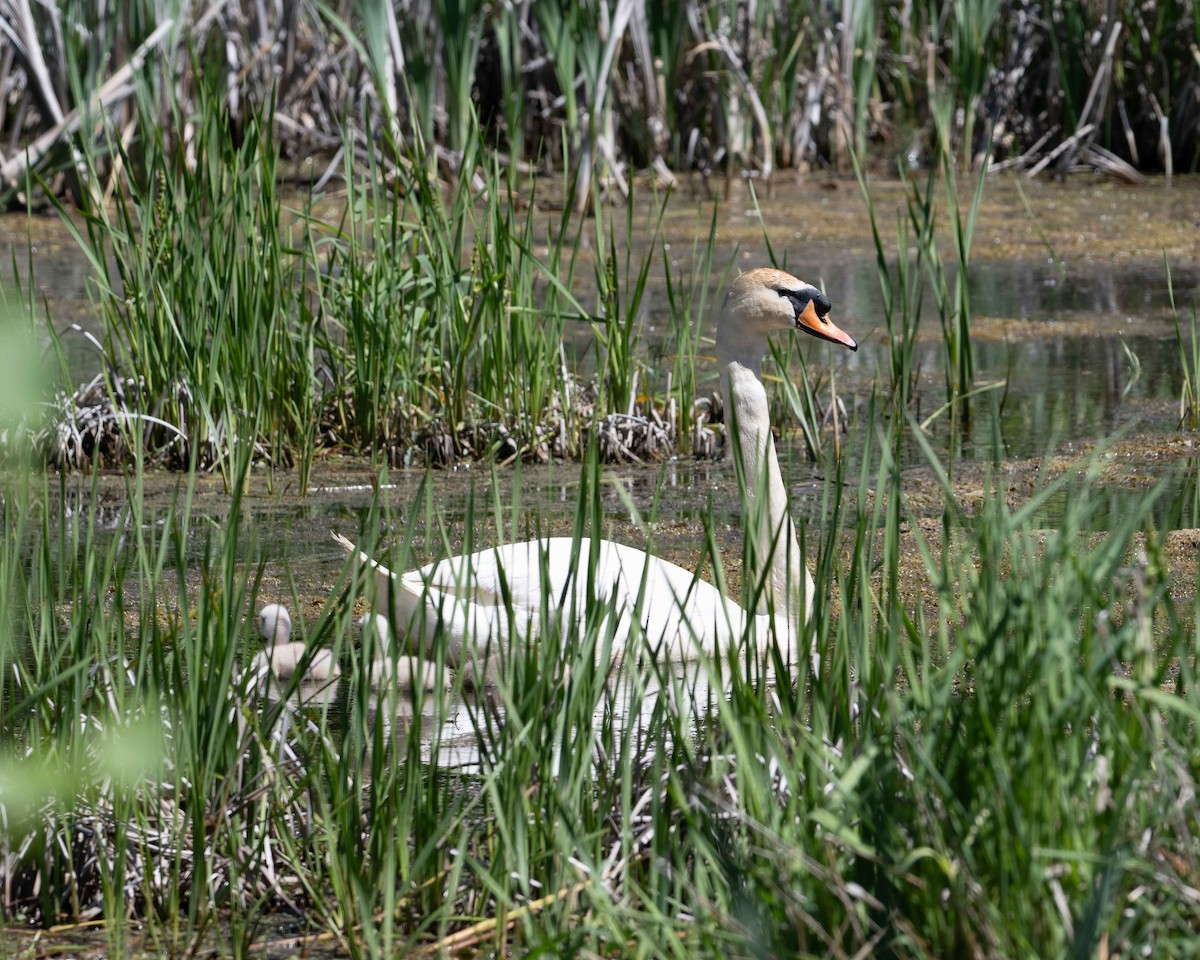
(1164, 137)
(27, 45)
(810, 116)
(112, 91)
(1058, 151)
(756, 105)
(1097, 95)
(1020, 161)
(486, 930)
(1094, 156)
(583, 176)
(312, 58)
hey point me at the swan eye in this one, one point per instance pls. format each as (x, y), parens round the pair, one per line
(800, 299)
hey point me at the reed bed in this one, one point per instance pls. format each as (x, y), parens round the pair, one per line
(1000, 761)
(602, 91)
(439, 314)
(417, 324)
(1007, 764)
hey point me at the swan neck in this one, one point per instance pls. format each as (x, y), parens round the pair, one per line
(765, 498)
(736, 345)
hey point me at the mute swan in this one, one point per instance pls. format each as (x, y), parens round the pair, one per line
(281, 657)
(406, 673)
(463, 599)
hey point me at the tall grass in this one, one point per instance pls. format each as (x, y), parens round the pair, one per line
(418, 324)
(593, 88)
(687, 301)
(911, 276)
(996, 763)
(208, 341)
(1188, 342)
(620, 286)
(996, 757)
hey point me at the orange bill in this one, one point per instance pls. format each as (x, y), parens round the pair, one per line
(823, 327)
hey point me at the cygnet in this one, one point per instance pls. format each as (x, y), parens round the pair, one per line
(282, 657)
(407, 673)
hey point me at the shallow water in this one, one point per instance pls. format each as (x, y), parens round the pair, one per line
(1089, 262)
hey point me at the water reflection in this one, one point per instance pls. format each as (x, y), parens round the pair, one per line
(1055, 389)
(303, 694)
(1053, 298)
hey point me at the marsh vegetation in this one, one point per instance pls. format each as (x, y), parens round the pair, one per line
(714, 89)
(998, 754)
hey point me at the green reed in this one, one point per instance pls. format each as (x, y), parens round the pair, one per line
(906, 282)
(420, 323)
(206, 346)
(997, 760)
(571, 42)
(977, 765)
(1187, 340)
(432, 318)
(689, 307)
(620, 285)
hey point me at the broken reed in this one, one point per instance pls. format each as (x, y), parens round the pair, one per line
(934, 793)
(599, 90)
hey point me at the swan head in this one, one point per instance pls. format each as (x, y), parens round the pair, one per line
(275, 624)
(764, 301)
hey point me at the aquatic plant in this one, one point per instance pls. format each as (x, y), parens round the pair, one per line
(998, 757)
(1188, 342)
(998, 751)
(903, 288)
(421, 325)
(585, 88)
(208, 338)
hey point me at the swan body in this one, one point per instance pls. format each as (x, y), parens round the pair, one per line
(462, 599)
(281, 658)
(405, 673)
(474, 603)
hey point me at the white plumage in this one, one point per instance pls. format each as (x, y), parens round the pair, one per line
(461, 600)
(405, 673)
(281, 657)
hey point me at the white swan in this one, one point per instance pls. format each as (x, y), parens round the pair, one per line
(405, 673)
(281, 658)
(473, 602)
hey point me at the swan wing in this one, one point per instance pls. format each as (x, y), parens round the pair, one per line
(479, 598)
(543, 579)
